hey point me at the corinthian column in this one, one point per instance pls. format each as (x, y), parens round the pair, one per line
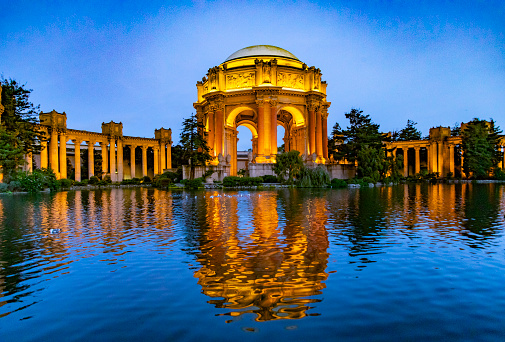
(113, 176)
(311, 107)
(63, 156)
(77, 159)
(261, 128)
(132, 161)
(91, 158)
(273, 129)
(53, 152)
(144, 161)
(119, 160)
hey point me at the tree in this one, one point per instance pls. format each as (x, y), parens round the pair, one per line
(193, 143)
(480, 147)
(410, 132)
(20, 134)
(288, 166)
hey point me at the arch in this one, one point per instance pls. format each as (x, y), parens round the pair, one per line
(298, 118)
(251, 126)
(230, 118)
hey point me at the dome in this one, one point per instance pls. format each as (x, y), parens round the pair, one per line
(261, 50)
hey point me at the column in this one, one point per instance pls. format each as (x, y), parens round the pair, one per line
(63, 156)
(210, 134)
(273, 129)
(451, 159)
(91, 158)
(144, 161)
(113, 174)
(77, 157)
(163, 163)
(132, 161)
(261, 128)
(440, 163)
(29, 162)
(119, 160)
(43, 154)
(219, 129)
(319, 135)
(53, 152)
(405, 161)
(434, 157)
(418, 159)
(156, 151)
(325, 136)
(105, 163)
(169, 155)
(311, 128)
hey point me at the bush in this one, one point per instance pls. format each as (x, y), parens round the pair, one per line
(65, 183)
(499, 174)
(146, 179)
(35, 181)
(368, 180)
(193, 184)
(4, 187)
(269, 179)
(93, 180)
(106, 180)
(313, 178)
(232, 181)
(338, 183)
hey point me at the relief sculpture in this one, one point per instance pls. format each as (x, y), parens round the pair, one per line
(243, 80)
(290, 80)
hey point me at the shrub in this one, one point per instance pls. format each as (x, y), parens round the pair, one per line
(499, 174)
(4, 187)
(338, 183)
(93, 180)
(65, 183)
(369, 180)
(313, 178)
(106, 180)
(35, 181)
(232, 181)
(193, 184)
(269, 179)
(146, 179)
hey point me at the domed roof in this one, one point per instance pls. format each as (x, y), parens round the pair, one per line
(261, 50)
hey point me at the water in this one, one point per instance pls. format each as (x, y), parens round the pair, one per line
(398, 263)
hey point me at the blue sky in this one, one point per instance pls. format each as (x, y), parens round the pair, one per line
(435, 62)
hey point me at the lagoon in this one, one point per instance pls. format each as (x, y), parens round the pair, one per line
(408, 262)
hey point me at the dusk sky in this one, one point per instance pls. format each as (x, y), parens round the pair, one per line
(434, 62)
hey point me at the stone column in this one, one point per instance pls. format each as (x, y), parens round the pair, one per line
(119, 160)
(273, 129)
(440, 163)
(219, 128)
(77, 157)
(43, 154)
(113, 174)
(261, 128)
(434, 157)
(132, 161)
(503, 159)
(91, 158)
(451, 159)
(156, 160)
(325, 135)
(418, 159)
(163, 163)
(105, 162)
(29, 162)
(144, 161)
(319, 135)
(169, 155)
(63, 156)
(405, 161)
(53, 152)
(312, 131)
(210, 134)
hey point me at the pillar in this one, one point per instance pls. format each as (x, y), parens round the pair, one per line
(144, 161)
(53, 152)
(267, 128)
(105, 162)
(418, 159)
(219, 130)
(273, 129)
(451, 159)
(119, 160)
(112, 151)
(77, 157)
(440, 164)
(156, 160)
(91, 158)
(405, 161)
(43, 155)
(261, 128)
(503, 159)
(325, 137)
(319, 135)
(312, 130)
(210, 133)
(169, 155)
(63, 156)
(163, 163)
(132, 161)
(29, 162)
(434, 157)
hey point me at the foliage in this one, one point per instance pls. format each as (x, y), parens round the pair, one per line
(194, 145)
(35, 181)
(19, 133)
(456, 129)
(480, 147)
(313, 177)
(499, 174)
(338, 183)
(232, 181)
(93, 180)
(193, 184)
(97, 163)
(133, 181)
(164, 180)
(146, 179)
(372, 163)
(410, 132)
(241, 172)
(4, 187)
(288, 166)
(65, 183)
(269, 179)
(395, 167)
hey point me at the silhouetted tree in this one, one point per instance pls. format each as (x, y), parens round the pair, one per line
(193, 143)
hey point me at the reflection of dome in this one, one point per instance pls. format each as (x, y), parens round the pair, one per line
(261, 50)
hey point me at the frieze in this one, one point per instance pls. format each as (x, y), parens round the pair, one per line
(240, 80)
(295, 81)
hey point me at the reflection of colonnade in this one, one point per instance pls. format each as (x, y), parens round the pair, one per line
(267, 268)
(111, 144)
(440, 153)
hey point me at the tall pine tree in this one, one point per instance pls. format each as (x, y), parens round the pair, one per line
(194, 144)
